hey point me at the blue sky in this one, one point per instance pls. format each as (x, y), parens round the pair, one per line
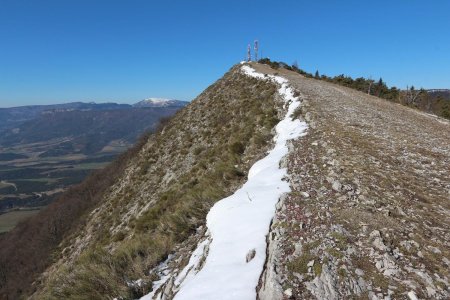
(123, 51)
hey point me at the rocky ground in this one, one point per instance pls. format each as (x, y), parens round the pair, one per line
(368, 217)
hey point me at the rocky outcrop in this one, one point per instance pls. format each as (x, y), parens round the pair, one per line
(270, 284)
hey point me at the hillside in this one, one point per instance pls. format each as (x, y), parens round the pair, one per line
(360, 203)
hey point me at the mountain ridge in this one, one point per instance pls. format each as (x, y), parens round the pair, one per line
(363, 218)
(13, 116)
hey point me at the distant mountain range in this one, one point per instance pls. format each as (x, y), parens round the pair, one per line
(443, 93)
(14, 116)
(89, 126)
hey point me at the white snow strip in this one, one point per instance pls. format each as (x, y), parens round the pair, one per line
(239, 223)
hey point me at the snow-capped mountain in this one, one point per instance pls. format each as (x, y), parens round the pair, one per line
(160, 102)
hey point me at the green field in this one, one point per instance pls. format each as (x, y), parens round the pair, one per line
(9, 220)
(32, 182)
(45, 180)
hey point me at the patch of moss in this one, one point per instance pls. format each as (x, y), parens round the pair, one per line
(300, 264)
(341, 240)
(334, 252)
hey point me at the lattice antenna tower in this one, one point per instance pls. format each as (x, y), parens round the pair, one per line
(256, 46)
(249, 53)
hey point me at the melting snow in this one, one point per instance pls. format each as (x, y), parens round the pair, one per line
(239, 223)
(164, 274)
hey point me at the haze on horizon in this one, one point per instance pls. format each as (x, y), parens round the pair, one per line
(59, 51)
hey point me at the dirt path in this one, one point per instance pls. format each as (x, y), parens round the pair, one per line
(370, 211)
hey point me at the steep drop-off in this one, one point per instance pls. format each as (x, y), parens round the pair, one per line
(161, 199)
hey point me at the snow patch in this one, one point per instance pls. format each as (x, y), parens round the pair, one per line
(158, 100)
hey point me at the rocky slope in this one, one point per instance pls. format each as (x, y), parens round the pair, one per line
(368, 215)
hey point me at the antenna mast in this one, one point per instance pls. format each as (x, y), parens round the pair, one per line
(256, 50)
(249, 54)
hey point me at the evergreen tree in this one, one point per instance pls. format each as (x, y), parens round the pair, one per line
(316, 75)
(380, 87)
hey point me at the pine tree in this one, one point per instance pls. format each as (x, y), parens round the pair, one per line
(316, 75)
(379, 88)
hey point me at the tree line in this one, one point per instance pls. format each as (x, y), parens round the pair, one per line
(412, 97)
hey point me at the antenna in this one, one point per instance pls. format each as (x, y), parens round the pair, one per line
(249, 54)
(256, 50)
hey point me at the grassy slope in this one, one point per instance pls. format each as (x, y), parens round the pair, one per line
(201, 155)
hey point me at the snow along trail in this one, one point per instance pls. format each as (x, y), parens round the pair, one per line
(239, 223)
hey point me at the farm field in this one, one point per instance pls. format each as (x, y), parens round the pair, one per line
(29, 180)
(10, 219)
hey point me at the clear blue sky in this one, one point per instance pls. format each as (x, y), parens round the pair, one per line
(90, 50)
